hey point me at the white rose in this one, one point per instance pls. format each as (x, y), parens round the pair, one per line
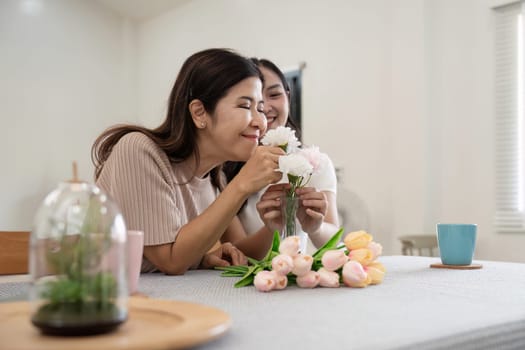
(295, 164)
(283, 137)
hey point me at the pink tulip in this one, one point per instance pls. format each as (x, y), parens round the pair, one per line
(290, 246)
(302, 263)
(354, 275)
(309, 280)
(282, 264)
(264, 281)
(281, 281)
(376, 249)
(328, 278)
(333, 259)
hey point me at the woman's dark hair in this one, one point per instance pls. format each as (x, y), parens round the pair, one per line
(207, 76)
(232, 168)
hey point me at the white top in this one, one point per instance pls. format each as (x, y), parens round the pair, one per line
(323, 180)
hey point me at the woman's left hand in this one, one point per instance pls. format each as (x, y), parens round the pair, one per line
(226, 255)
(312, 209)
(269, 206)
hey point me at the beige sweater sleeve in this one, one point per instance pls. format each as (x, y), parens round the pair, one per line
(138, 176)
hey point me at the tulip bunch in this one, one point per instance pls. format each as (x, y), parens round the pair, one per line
(352, 264)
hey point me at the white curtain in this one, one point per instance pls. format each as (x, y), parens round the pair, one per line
(509, 81)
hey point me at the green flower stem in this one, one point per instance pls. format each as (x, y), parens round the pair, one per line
(290, 211)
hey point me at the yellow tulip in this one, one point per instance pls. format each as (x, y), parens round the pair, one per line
(357, 240)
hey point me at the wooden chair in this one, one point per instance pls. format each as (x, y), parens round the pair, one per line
(14, 252)
(422, 243)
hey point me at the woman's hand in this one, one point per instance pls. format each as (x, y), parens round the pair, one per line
(312, 209)
(269, 206)
(260, 170)
(227, 254)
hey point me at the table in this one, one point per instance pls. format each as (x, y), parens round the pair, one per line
(416, 307)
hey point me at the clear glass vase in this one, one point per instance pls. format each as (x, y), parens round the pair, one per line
(289, 206)
(78, 262)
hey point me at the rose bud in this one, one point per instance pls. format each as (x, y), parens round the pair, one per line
(354, 275)
(264, 281)
(376, 249)
(333, 259)
(375, 273)
(282, 264)
(302, 263)
(281, 281)
(328, 278)
(357, 240)
(290, 246)
(309, 280)
(364, 256)
(377, 265)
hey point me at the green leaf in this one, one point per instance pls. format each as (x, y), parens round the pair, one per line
(253, 261)
(276, 241)
(329, 245)
(247, 279)
(231, 274)
(239, 269)
(275, 246)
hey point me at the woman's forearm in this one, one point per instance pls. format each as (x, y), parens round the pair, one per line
(257, 244)
(199, 235)
(323, 234)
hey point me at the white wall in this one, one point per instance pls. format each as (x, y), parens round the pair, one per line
(66, 72)
(397, 92)
(460, 138)
(346, 83)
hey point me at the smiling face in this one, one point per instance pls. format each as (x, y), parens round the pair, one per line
(276, 101)
(233, 130)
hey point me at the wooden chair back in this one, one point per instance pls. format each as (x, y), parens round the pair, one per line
(14, 252)
(425, 245)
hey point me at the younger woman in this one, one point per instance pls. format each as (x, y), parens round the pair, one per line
(318, 211)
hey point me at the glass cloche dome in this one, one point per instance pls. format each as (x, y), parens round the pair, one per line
(78, 262)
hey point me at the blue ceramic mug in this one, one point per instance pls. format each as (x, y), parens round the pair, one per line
(456, 243)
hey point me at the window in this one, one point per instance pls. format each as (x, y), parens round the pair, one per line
(510, 118)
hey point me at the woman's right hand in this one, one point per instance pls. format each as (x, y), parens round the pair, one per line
(225, 255)
(260, 170)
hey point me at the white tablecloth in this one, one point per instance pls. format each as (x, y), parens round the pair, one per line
(413, 307)
(416, 307)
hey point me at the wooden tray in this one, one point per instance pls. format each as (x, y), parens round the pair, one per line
(152, 324)
(457, 267)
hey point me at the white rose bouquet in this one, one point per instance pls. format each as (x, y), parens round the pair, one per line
(298, 165)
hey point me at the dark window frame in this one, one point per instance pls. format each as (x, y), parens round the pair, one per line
(295, 81)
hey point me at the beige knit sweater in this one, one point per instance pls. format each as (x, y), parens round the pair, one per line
(154, 194)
